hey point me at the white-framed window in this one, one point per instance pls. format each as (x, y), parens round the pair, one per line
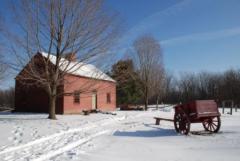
(76, 97)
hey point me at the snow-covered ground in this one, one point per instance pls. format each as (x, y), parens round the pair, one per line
(128, 136)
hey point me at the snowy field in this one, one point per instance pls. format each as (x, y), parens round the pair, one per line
(128, 136)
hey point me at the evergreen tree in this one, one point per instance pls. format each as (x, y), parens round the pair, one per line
(127, 82)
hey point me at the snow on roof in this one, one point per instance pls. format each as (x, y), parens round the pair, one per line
(79, 68)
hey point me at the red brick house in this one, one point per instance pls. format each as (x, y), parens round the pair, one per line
(98, 91)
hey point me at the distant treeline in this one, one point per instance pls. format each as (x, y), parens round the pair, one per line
(7, 98)
(204, 85)
(220, 86)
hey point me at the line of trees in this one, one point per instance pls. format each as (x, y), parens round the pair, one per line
(204, 85)
(7, 98)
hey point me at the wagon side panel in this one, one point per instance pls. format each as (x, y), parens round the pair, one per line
(192, 109)
(206, 108)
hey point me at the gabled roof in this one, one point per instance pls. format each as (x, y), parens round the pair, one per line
(79, 68)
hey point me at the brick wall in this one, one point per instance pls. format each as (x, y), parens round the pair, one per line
(87, 88)
(33, 99)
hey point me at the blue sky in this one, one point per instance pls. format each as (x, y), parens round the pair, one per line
(195, 35)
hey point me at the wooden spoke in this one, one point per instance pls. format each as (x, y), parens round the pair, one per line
(212, 124)
(181, 123)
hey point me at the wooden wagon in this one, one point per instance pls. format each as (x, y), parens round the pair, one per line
(199, 111)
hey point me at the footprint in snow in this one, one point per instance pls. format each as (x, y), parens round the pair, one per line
(71, 155)
(17, 141)
(14, 139)
(17, 135)
(35, 134)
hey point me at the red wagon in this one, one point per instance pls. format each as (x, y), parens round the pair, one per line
(199, 111)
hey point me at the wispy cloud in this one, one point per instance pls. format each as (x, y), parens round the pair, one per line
(156, 18)
(202, 36)
(153, 21)
(146, 25)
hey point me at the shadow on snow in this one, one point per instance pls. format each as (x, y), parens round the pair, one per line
(8, 116)
(154, 132)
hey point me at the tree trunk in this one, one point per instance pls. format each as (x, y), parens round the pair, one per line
(231, 109)
(146, 98)
(146, 104)
(146, 101)
(157, 103)
(223, 106)
(52, 107)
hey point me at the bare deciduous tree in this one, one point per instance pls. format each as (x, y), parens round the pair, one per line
(188, 86)
(2, 69)
(58, 27)
(158, 82)
(148, 60)
(2, 64)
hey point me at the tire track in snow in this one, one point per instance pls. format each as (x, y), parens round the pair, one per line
(50, 146)
(69, 146)
(54, 142)
(128, 123)
(43, 139)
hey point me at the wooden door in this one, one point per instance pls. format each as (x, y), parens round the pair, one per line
(94, 101)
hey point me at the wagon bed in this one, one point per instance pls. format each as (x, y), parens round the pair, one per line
(200, 109)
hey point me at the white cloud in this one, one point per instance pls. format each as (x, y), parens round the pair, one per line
(203, 36)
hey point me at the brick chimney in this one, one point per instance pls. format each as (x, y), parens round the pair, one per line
(71, 56)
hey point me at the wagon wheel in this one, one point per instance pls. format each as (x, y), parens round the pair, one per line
(212, 124)
(181, 123)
